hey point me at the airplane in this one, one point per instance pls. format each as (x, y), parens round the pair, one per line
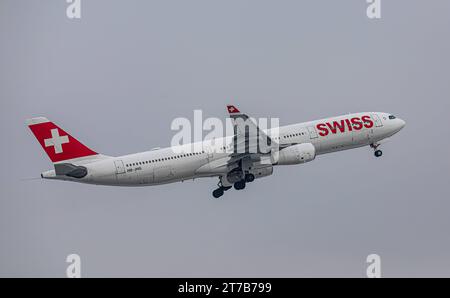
(233, 161)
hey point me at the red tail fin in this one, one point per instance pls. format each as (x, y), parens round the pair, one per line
(232, 109)
(58, 144)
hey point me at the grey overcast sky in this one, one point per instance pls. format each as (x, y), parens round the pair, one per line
(118, 76)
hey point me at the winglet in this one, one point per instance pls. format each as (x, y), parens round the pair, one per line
(232, 109)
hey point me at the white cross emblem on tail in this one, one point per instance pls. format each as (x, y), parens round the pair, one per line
(56, 141)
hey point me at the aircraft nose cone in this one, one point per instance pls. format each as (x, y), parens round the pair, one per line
(401, 123)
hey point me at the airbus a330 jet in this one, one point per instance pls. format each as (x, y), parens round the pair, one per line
(235, 160)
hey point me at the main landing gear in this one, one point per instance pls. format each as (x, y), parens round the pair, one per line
(239, 185)
(377, 153)
(249, 177)
(217, 193)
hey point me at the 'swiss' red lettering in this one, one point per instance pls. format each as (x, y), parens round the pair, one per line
(349, 125)
(368, 123)
(322, 128)
(355, 123)
(337, 125)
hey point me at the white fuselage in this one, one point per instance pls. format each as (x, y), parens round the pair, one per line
(182, 163)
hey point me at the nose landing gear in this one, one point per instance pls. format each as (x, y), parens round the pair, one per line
(377, 153)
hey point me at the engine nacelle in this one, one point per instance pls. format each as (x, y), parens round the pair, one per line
(262, 172)
(296, 154)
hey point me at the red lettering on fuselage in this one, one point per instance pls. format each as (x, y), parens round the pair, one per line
(368, 123)
(349, 125)
(323, 130)
(336, 125)
(355, 123)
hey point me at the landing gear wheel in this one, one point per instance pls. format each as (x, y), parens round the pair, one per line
(239, 185)
(249, 177)
(378, 153)
(217, 193)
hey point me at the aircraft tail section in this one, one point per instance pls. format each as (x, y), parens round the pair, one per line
(58, 144)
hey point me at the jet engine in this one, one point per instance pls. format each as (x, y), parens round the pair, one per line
(262, 171)
(296, 154)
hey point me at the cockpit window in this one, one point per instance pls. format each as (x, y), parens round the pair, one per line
(391, 117)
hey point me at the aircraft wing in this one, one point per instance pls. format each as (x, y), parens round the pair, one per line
(252, 147)
(248, 137)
